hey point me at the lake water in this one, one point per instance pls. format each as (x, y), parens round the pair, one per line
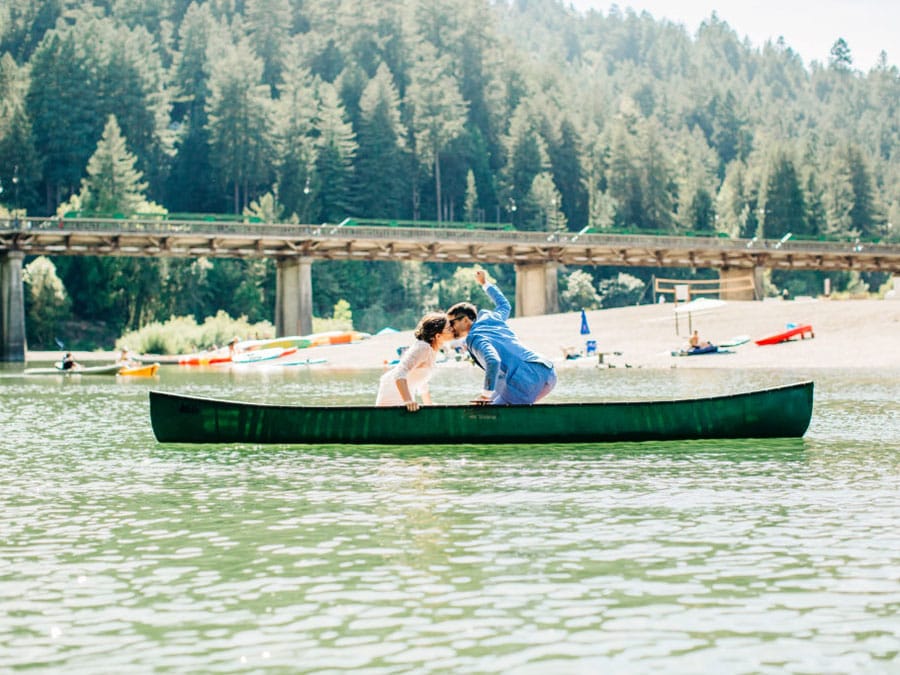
(118, 554)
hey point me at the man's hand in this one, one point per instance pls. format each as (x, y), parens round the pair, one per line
(480, 277)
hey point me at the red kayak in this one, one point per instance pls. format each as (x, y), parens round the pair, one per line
(787, 335)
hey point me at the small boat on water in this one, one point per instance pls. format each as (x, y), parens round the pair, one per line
(111, 369)
(784, 336)
(146, 370)
(779, 412)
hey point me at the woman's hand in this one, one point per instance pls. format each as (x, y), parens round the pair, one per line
(412, 406)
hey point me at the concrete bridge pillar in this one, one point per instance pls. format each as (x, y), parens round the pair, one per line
(537, 289)
(741, 283)
(12, 307)
(293, 297)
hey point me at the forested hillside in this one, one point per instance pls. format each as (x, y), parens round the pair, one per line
(460, 110)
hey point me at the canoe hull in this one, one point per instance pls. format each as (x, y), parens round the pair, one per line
(782, 412)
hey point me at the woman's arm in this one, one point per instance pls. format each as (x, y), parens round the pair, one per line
(408, 400)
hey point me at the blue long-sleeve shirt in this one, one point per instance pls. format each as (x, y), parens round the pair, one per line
(494, 346)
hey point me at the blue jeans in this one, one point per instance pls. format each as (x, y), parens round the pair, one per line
(542, 380)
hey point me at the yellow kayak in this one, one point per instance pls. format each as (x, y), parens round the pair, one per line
(148, 370)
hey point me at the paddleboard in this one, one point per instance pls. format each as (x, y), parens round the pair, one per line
(736, 341)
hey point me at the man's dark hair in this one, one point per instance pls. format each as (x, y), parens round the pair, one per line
(463, 309)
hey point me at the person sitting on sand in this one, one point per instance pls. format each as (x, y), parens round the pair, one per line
(697, 343)
(410, 376)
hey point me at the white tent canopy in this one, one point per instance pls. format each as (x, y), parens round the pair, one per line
(699, 305)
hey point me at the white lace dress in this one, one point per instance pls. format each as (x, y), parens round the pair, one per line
(416, 365)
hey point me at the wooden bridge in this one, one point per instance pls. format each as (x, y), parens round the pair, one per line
(296, 247)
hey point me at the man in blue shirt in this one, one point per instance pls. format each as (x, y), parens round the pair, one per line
(513, 374)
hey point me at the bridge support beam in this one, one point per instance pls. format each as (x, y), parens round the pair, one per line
(293, 297)
(537, 289)
(12, 307)
(741, 283)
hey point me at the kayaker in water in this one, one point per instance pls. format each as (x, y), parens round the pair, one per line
(68, 362)
(124, 359)
(410, 376)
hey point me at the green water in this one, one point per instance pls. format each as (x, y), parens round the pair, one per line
(118, 554)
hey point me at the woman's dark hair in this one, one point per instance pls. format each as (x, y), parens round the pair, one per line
(431, 325)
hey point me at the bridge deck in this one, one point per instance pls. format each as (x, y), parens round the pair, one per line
(155, 238)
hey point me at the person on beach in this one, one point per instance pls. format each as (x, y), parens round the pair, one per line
(400, 385)
(513, 373)
(697, 343)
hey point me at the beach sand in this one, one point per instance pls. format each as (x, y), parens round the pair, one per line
(848, 334)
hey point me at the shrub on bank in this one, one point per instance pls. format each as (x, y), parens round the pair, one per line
(183, 335)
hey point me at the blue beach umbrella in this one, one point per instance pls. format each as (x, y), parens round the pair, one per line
(585, 329)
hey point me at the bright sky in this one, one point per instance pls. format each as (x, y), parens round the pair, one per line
(809, 27)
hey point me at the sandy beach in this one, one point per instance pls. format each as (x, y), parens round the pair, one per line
(848, 334)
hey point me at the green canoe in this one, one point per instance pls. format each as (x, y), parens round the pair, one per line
(780, 412)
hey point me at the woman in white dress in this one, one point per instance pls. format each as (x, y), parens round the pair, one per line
(410, 376)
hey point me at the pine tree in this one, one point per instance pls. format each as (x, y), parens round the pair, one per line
(785, 206)
(438, 111)
(336, 146)
(839, 56)
(238, 111)
(865, 215)
(268, 23)
(380, 160)
(295, 112)
(20, 169)
(113, 184)
(566, 156)
(193, 184)
(527, 159)
(61, 116)
(545, 195)
(733, 205)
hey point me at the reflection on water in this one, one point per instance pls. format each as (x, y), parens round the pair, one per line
(735, 556)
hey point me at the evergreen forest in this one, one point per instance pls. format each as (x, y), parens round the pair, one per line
(520, 111)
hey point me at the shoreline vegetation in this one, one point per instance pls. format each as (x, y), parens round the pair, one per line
(848, 334)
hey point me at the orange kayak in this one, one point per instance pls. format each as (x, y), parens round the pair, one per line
(148, 370)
